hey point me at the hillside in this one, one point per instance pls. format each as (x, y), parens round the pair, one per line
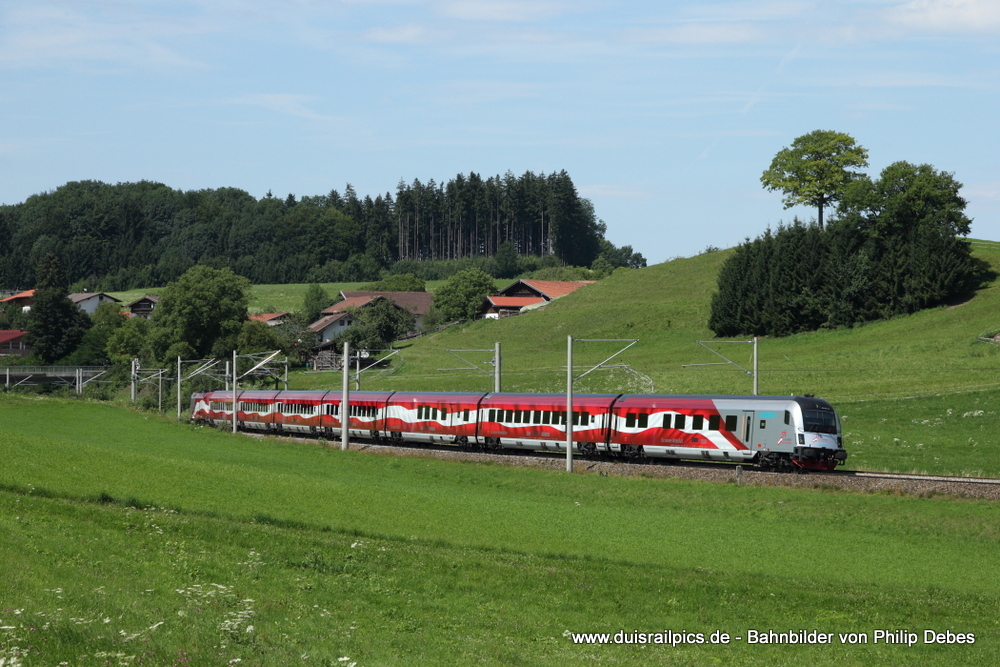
(666, 308)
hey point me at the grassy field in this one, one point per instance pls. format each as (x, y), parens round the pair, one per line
(127, 537)
(666, 307)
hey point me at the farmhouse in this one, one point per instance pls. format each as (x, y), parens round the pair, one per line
(522, 293)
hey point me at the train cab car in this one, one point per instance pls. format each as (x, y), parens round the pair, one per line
(681, 427)
(819, 444)
(448, 418)
(538, 421)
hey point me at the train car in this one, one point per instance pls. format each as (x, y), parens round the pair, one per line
(447, 418)
(367, 413)
(775, 432)
(538, 421)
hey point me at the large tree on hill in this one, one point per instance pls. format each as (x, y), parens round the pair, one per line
(816, 169)
(201, 314)
(56, 325)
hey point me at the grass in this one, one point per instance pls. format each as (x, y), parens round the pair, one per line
(414, 561)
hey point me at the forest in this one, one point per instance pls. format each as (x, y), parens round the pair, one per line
(130, 235)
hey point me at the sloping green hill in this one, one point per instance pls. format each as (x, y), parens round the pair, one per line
(666, 307)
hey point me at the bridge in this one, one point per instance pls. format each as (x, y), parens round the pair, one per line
(70, 376)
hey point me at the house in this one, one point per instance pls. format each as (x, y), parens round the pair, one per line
(270, 319)
(12, 343)
(23, 299)
(418, 303)
(143, 306)
(89, 301)
(523, 293)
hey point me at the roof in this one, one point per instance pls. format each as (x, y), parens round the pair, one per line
(267, 317)
(8, 335)
(514, 301)
(29, 294)
(324, 322)
(418, 303)
(78, 297)
(349, 302)
(550, 289)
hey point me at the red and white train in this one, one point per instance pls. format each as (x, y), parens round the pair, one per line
(772, 432)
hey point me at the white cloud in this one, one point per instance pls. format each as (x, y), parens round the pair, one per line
(700, 33)
(962, 16)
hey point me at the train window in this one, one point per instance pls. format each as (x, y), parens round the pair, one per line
(561, 417)
(517, 416)
(465, 416)
(697, 422)
(643, 421)
(546, 417)
(713, 422)
(666, 421)
(731, 421)
(584, 418)
(493, 415)
(509, 417)
(538, 417)
(420, 412)
(679, 422)
(630, 420)
(444, 414)
(788, 417)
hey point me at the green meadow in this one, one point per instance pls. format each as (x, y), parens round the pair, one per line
(135, 540)
(666, 308)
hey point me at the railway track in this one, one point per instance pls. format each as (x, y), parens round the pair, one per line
(870, 482)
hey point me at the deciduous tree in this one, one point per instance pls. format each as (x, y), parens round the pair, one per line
(462, 296)
(816, 169)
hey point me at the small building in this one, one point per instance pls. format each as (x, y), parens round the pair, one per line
(89, 301)
(24, 299)
(143, 306)
(505, 306)
(270, 319)
(12, 343)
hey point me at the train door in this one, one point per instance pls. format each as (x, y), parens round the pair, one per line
(748, 417)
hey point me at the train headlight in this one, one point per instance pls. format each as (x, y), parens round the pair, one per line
(802, 439)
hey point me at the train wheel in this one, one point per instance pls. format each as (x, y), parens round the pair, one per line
(588, 448)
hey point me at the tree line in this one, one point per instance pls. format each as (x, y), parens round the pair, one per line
(894, 248)
(129, 235)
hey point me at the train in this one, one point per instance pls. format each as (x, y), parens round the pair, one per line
(776, 433)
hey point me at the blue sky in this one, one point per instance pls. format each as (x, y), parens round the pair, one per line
(664, 113)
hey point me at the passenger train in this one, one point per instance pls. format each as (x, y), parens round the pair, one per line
(771, 432)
